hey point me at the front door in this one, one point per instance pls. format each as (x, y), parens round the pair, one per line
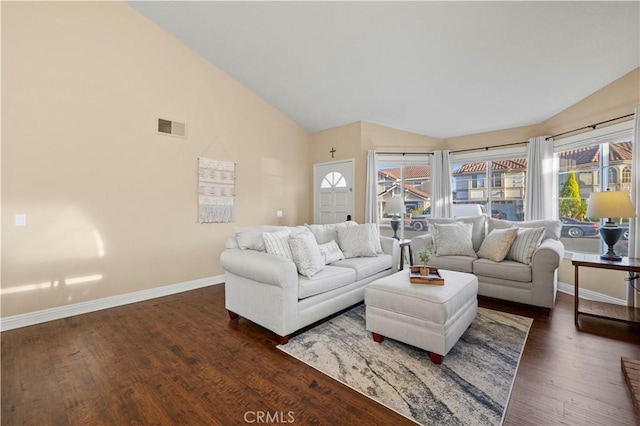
(332, 191)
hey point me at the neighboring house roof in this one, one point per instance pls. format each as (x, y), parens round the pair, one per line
(515, 164)
(408, 188)
(591, 154)
(410, 172)
(618, 152)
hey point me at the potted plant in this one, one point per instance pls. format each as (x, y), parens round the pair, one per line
(424, 255)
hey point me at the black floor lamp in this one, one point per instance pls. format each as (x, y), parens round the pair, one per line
(610, 204)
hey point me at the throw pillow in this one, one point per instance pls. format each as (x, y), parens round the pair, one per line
(330, 252)
(278, 243)
(478, 223)
(453, 239)
(328, 232)
(552, 228)
(525, 244)
(359, 240)
(497, 244)
(251, 238)
(306, 254)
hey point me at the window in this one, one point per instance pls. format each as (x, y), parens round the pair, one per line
(503, 182)
(333, 180)
(626, 176)
(478, 181)
(496, 179)
(407, 176)
(591, 162)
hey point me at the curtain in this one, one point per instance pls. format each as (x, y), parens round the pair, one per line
(371, 192)
(541, 192)
(634, 222)
(441, 193)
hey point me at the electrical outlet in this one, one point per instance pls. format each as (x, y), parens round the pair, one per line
(278, 213)
(21, 219)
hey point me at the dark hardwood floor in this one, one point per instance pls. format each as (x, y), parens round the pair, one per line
(181, 360)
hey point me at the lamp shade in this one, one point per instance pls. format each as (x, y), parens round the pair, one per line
(395, 205)
(610, 204)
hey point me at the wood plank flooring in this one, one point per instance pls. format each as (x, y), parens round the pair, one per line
(180, 360)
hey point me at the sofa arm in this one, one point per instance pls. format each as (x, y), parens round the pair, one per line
(392, 247)
(418, 244)
(548, 256)
(261, 267)
(544, 270)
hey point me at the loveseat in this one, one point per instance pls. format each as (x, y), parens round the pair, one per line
(515, 261)
(273, 276)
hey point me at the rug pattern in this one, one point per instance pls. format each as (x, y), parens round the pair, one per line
(472, 386)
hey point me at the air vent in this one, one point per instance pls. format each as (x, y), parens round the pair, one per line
(172, 128)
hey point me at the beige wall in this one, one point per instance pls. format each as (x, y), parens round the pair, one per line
(614, 100)
(111, 205)
(353, 140)
(108, 201)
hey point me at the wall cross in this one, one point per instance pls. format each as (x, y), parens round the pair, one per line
(333, 151)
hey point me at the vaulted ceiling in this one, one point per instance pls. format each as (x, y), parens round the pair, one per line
(441, 69)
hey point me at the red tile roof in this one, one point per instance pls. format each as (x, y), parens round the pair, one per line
(618, 152)
(409, 188)
(410, 172)
(515, 164)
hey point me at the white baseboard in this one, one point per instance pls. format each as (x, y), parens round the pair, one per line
(37, 317)
(590, 295)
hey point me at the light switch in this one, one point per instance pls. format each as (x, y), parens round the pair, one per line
(21, 219)
(278, 213)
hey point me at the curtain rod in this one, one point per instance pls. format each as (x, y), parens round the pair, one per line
(404, 153)
(592, 126)
(486, 148)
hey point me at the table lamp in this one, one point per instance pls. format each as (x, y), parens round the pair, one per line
(610, 204)
(395, 206)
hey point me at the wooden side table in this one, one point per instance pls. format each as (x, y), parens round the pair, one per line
(405, 244)
(627, 314)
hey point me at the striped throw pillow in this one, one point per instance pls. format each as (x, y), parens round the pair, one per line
(526, 242)
(278, 243)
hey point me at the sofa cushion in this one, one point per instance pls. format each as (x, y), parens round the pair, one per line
(251, 238)
(330, 252)
(359, 240)
(366, 266)
(478, 222)
(453, 239)
(526, 242)
(507, 269)
(552, 228)
(306, 254)
(454, 263)
(326, 280)
(327, 232)
(278, 243)
(497, 243)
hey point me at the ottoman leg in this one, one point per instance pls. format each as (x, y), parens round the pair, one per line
(377, 337)
(436, 358)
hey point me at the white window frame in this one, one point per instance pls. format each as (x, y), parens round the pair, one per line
(621, 132)
(490, 155)
(402, 160)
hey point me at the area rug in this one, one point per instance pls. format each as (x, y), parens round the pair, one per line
(471, 386)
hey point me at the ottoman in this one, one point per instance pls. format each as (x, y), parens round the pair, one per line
(430, 317)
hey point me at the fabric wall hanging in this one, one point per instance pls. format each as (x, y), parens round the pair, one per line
(216, 189)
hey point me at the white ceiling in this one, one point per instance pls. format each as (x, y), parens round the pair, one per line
(441, 69)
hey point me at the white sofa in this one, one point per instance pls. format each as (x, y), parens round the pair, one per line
(268, 290)
(533, 283)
